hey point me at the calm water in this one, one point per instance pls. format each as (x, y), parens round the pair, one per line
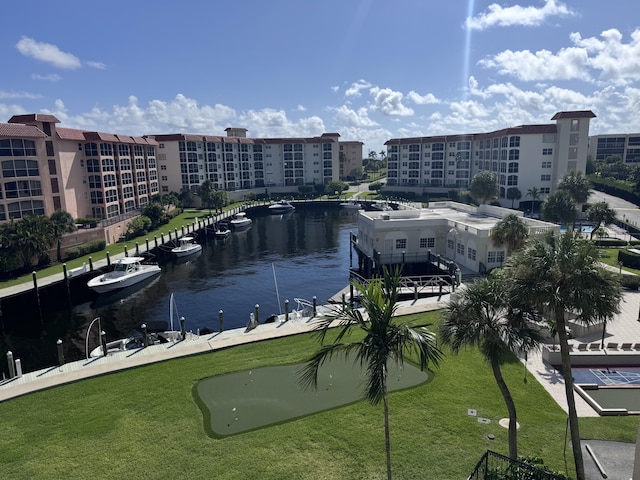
(308, 249)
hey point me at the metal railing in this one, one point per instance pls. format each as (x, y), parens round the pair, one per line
(493, 466)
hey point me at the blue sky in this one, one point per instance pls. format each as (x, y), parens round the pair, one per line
(368, 69)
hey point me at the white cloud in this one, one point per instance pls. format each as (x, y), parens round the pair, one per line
(498, 16)
(97, 65)
(353, 118)
(13, 95)
(52, 77)
(389, 102)
(48, 53)
(569, 63)
(301, 108)
(354, 89)
(418, 99)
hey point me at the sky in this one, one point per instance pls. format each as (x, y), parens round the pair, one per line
(370, 70)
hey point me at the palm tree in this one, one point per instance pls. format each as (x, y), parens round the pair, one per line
(577, 186)
(511, 232)
(482, 315)
(559, 275)
(534, 193)
(386, 340)
(513, 194)
(483, 187)
(62, 223)
(601, 214)
(560, 208)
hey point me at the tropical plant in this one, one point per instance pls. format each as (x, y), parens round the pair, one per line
(577, 186)
(155, 213)
(34, 236)
(561, 275)
(138, 226)
(220, 199)
(63, 222)
(206, 192)
(534, 193)
(483, 315)
(601, 214)
(386, 340)
(510, 232)
(513, 194)
(560, 208)
(483, 187)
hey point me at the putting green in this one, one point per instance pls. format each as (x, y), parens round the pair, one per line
(242, 401)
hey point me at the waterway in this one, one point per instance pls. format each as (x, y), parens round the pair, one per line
(280, 257)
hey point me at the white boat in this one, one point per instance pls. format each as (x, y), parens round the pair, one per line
(352, 205)
(281, 206)
(381, 206)
(240, 220)
(187, 246)
(222, 233)
(126, 271)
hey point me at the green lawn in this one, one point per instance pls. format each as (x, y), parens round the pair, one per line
(145, 423)
(609, 256)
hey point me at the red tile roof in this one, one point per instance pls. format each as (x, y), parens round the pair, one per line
(70, 134)
(20, 130)
(574, 114)
(34, 117)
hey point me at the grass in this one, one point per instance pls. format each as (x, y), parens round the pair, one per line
(145, 423)
(609, 256)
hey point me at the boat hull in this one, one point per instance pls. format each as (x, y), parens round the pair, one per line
(183, 252)
(107, 283)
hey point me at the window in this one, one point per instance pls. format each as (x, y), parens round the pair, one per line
(513, 167)
(461, 249)
(20, 168)
(428, 242)
(575, 125)
(95, 181)
(547, 151)
(450, 244)
(514, 141)
(91, 149)
(23, 188)
(17, 147)
(25, 207)
(401, 243)
(471, 253)
(495, 257)
(545, 178)
(546, 164)
(52, 167)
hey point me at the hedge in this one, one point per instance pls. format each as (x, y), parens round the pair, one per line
(86, 248)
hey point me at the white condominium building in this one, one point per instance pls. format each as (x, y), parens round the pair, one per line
(236, 162)
(623, 145)
(521, 157)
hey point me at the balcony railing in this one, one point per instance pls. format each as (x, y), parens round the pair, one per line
(493, 466)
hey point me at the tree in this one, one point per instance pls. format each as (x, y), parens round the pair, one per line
(385, 340)
(601, 214)
(559, 208)
(513, 194)
(560, 275)
(483, 187)
(186, 198)
(220, 200)
(206, 192)
(138, 226)
(534, 193)
(511, 232)
(336, 187)
(155, 213)
(482, 315)
(62, 223)
(577, 186)
(34, 236)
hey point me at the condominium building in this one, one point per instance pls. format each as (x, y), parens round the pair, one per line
(237, 162)
(350, 158)
(521, 157)
(623, 145)
(89, 174)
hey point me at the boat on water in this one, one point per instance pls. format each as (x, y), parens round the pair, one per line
(381, 206)
(222, 232)
(126, 271)
(281, 206)
(351, 205)
(240, 220)
(186, 246)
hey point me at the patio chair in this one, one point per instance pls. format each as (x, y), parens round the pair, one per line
(594, 346)
(626, 346)
(612, 346)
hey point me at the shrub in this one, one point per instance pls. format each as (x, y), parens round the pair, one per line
(375, 186)
(629, 259)
(630, 282)
(86, 248)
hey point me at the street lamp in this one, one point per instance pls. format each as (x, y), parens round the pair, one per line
(456, 234)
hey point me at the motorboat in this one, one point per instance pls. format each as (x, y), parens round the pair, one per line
(351, 205)
(126, 271)
(240, 220)
(186, 246)
(281, 206)
(381, 206)
(222, 232)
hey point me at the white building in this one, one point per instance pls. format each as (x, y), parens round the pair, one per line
(236, 162)
(521, 157)
(453, 231)
(624, 145)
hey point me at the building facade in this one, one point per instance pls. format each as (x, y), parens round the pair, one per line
(625, 145)
(521, 157)
(454, 231)
(236, 162)
(350, 159)
(88, 174)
